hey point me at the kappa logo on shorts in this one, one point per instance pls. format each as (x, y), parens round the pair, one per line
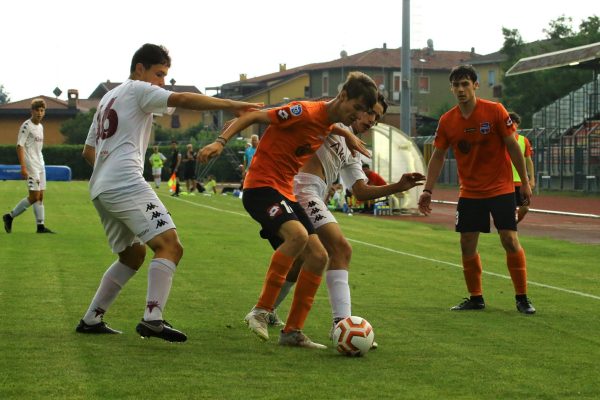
(155, 214)
(274, 210)
(296, 110)
(315, 210)
(150, 207)
(160, 223)
(283, 115)
(319, 217)
(485, 128)
(312, 203)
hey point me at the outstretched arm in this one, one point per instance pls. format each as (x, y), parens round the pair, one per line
(235, 127)
(196, 101)
(363, 192)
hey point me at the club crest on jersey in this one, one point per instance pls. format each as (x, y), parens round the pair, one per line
(274, 210)
(283, 115)
(485, 128)
(296, 110)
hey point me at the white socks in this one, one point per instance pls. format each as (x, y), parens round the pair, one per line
(160, 277)
(115, 277)
(20, 208)
(339, 293)
(38, 210)
(157, 182)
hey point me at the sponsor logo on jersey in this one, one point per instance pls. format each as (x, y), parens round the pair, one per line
(296, 110)
(485, 128)
(283, 115)
(470, 130)
(274, 210)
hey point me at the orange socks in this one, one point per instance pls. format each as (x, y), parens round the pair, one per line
(517, 267)
(304, 295)
(472, 271)
(278, 269)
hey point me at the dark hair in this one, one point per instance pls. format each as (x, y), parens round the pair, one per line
(463, 71)
(149, 55)
(359, 85)
(515, 117)
(381, 100)
(365, 165)
(38, 103)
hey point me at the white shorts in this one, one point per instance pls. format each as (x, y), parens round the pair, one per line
(132, 215)
(156, 171)
(310, 190)
(36, 181)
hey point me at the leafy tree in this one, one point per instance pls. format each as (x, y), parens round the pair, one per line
(528, 93)
(76, 129)
(4, 95)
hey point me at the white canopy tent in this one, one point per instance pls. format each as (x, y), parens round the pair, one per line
(394, 154)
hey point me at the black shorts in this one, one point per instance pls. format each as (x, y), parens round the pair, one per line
(271, 210)
(518, 197)
(473, 215)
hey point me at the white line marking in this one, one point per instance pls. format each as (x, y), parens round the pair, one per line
(591, 296)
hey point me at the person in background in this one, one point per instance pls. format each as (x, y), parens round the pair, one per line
(174, 166)
(211, 185)
(525, 145)
(29, 151)
(157, 160)
(189, 168)
(249, 151)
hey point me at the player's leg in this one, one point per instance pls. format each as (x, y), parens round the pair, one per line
(37, 200)
(33, 184)
(515, 255)
(315, 261)
(472, 217)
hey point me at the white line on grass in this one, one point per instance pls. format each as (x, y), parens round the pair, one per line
(575, 292)
(485, 272)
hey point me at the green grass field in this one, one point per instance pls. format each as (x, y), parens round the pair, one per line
(404, 278)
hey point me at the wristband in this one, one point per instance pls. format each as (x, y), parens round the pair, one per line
(428, 191)
(221, 140)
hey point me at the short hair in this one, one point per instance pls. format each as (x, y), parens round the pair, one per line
(38, 103)
(149, 55)
(173, 141)
(359, 85)
(515, 117)
(381, 100)
(463, 71)
(365, 165)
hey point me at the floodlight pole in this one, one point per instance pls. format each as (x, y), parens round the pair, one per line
(406, 73)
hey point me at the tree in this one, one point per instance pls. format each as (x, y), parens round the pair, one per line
(76, 129)
(4, 95)
(528, 93)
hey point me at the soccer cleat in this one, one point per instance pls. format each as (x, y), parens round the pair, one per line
(469, 304)
(298, 339)
(274, 320)
(524, 306)
(258, 320)
(160, 329)
(100, 327)
(7, 222)
(43, 229)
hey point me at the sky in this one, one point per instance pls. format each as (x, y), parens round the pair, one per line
(78, 44)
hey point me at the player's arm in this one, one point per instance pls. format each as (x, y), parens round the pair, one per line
(235, 127)
(89, 154)
(436, 163)
(518, 160)
(196, 101)
(530, 171)
(363, 192)
(352, 141)
(21, 157)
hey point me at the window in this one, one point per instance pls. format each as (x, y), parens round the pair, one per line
(423, 84)
(491, 78)
(497, 91)
(325, 83)
(397, 86)
(175, 121)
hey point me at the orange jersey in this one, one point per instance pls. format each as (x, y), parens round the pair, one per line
(484, 167)
(296, 131)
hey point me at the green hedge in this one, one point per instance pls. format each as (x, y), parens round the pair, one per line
(70, 155)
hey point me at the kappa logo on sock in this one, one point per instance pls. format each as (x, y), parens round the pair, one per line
(152, 305)
(98, 312)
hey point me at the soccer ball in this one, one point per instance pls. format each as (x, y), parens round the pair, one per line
(353, 336)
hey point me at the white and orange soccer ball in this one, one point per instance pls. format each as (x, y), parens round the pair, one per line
(353, 336)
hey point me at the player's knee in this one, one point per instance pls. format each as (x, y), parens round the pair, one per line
(133, 256)
(298, 240)
(340, 253)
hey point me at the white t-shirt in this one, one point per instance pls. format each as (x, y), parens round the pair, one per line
(31, 139)
(120, 133)
(336, 159)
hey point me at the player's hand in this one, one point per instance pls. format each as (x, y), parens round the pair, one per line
(242, 107)
(355, 145)
(410, 180)
(24, 173)
(526, 194)
(210, 151)
(425, 203)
